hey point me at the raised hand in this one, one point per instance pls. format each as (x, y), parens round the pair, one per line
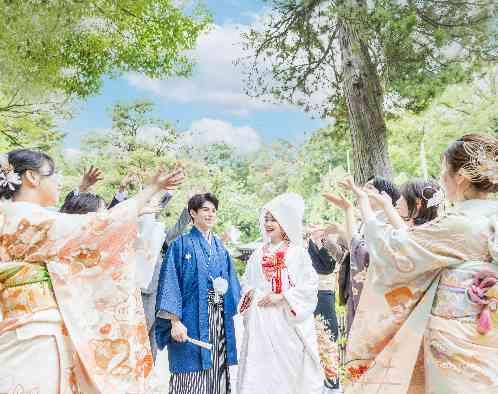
(338, 200)
(332, 229)
(169, 181)
(90, 178)
(348, 184)
(383, 199)
(128, 180)
(337, 230)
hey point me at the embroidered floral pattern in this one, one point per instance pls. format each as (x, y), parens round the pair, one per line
(90, 259)
(327, 348)
(275, 270)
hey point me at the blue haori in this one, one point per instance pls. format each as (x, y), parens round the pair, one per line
(185, 279)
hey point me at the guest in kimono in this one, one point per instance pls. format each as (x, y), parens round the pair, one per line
(431, 291)
(72, 319)
(325, 254)
(152, 246)
(280, 351)
(419, 202)
(359, 259)
(83, 203)
(197, 299)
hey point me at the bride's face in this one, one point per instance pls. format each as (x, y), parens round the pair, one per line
(273, 229)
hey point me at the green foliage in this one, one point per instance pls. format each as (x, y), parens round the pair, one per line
(68, 46)
(417, 47)
(29, 130)
(244, 183)
(461, 109)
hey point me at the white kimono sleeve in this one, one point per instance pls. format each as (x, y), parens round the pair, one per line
(303, 297)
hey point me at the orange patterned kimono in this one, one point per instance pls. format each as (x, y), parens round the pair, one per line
(73, 320)
(419, 324)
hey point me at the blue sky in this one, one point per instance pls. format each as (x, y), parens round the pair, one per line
(211, 103)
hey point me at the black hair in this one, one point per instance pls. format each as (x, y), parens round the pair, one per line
(23, 160)
(197, 201)
(82, 203)
(385, 185)
(422, 191)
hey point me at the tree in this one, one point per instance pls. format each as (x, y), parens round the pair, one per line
(35, 131)
(136, 142)
(57, 48)
(363, 55)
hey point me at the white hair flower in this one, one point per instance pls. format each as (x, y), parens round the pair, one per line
(9, 179)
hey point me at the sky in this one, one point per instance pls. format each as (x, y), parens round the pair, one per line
(211, 103)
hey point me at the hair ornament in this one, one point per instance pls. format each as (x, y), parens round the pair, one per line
(483, 162)
(9, 179)
(437, 197)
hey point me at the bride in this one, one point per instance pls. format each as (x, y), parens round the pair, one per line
(279, 352)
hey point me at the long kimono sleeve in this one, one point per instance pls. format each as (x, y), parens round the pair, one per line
(169, 295)
(149, 245)
(93, 276)
(399, 256)
(303, 297)
(233, 280)
(246, 283)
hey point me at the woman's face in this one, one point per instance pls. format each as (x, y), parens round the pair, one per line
(49, 186)
(273, 228)
(404, 212)
(448, 182)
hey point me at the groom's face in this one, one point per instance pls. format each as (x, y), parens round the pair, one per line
(205, 217)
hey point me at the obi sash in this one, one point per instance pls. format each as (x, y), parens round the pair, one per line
(25, 288)
(469, 293)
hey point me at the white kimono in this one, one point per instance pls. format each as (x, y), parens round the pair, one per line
(279, 353)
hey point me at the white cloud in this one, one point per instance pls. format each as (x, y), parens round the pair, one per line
(208, 131)
(216, 79)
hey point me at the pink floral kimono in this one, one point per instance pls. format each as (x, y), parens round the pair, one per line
(427, 321)
(73, 320)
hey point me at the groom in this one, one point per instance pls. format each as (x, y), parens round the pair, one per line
(196, 301)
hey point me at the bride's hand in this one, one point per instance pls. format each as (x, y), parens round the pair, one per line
(271, 299)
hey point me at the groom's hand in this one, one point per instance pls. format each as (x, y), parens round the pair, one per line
(178, 331)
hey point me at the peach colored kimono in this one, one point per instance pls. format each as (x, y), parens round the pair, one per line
(416, 326)
(73, 320)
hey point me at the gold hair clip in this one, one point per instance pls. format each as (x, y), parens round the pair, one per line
(483, 163)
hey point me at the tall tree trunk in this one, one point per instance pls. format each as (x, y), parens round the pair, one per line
(364, 99)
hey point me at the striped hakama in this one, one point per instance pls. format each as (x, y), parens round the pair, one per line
(215, 380)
